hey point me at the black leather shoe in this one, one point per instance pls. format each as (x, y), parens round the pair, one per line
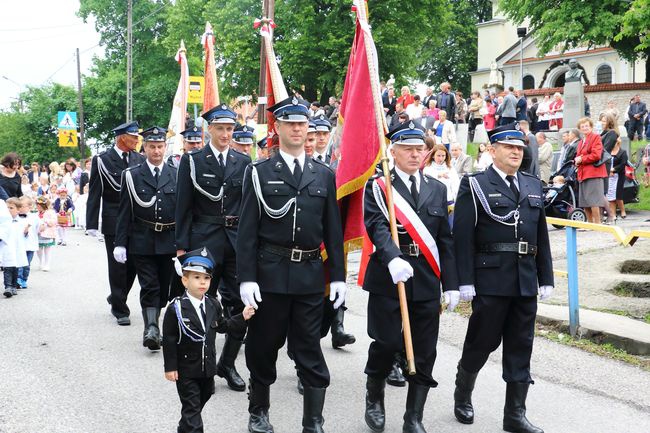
(258, 409)
(395, 377)
(375, 412)
(463, 409)
(339, 337)
(226, 366)
(514, 412)
(300, 388)
(151, 335)
(415, 400)
(312, 410)
(123, 321)
(108, 299)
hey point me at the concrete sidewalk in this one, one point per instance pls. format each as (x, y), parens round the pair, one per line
(631, 335)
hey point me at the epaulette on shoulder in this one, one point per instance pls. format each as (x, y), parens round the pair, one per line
(477, 173)
(323, 164)
(261, 161)
(528, 174)
(133, 167)
(193, 151)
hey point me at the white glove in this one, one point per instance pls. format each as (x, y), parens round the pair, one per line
(249, 291)
(120, 254)
(452, 297)
(467, 292)
(545, 292)
(338, 289)
(400, 270)
(92, 232)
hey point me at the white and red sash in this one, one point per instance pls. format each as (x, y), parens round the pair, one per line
(413, 225)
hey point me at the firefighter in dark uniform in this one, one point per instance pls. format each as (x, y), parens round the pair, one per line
(323, 130)
(145, 227)
(504, 262)
(207, 213)
(262, 150)
(192, 140)
(243, 138)
(289, 209)
(426, 198)
(104, 192)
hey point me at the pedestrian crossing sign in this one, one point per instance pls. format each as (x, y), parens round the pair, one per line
(68, 138)
(67, 120)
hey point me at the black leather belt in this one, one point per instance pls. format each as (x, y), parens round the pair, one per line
(158, 227)
(412, 250)
(294, 254)
(226, 221)
(522, 248)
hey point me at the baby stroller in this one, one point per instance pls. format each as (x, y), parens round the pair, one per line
(561, 201)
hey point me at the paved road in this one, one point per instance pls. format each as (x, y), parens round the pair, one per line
(67, 367)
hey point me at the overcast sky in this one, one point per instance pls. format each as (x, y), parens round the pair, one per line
(38, 39)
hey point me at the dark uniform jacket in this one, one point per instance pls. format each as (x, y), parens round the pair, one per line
(317, 221)
(195, 359)
(432, 210)
(135, 223)
(502, 273)
(101, 191)
(193, 208)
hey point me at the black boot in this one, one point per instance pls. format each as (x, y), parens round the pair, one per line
(339, 337)
(226, 365)
(312, 410)
(463, 409)
(375, 411)
(514, 412)
(258, 408)
(415, 400)
(395, 377)
(151, 335)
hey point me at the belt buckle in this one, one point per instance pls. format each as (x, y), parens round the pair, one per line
(414, 250)
(229, 221)
(158, 227)
(522, 247)
(296, 255)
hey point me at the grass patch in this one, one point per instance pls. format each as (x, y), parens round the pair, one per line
(636, 267)
(606, 350)
(632, 289)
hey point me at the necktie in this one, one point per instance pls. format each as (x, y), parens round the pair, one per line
(205, 326)
(125, 158)
(320, 157)
(156, 174)
(513, 186)
(297, 171)
(220, 158)
(414, 189)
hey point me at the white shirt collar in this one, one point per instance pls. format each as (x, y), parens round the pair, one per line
(405, 178)
(151, 167)
(316, 155)
(288, 159)
(217, 152)
(120, 152)
(503, 175)
(196, 303)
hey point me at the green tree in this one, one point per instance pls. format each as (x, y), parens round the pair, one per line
(622, 24)
(32, 131)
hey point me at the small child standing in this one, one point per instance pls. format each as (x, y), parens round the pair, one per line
(30, 215)
(14, 255)
(63, 207)
(190, 327)
(46, 232)
(80, 205)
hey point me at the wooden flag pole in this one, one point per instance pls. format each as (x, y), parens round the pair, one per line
(381, 128)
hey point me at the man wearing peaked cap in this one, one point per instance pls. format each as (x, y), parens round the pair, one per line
(192, 140)
(145, 228)
(262, 150)
(208, 205)
(504, 262)
(243, 138)
(104, 193)
(289, 209)
(423, 260)
(323, 128)
(310, 142)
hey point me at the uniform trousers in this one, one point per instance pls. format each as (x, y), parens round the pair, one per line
(120, 278)
(385, 328)
(224, 280)
(296, 319)
(154, 275)
(193, 393)
(496, 318)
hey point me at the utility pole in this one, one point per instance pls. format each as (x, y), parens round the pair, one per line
(268, 11)
(129, 61)
(80, 99)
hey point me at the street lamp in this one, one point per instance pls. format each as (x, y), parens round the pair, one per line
(20, 87)
(521, 33)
